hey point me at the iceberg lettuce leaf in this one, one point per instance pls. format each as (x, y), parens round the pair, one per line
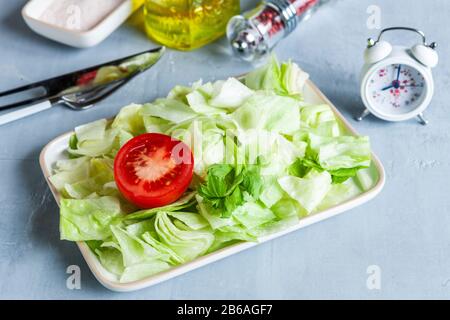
(89, 219)
(130, 120)
(135, 250)
(169, 109)
(143, 270)
(308, 191)
(266, 111)
(186, 201)
(187, 244)
(229, 94)
(286, 79)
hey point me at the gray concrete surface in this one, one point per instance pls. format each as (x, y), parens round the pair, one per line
(405, 230)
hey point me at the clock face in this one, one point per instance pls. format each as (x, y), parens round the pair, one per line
(396, 89)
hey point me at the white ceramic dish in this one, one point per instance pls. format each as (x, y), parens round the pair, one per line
(55, 150)
(81, 39)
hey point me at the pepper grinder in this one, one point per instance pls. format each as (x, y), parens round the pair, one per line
(256, 32)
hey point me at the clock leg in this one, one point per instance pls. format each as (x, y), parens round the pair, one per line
(364, 114)
(422, 120)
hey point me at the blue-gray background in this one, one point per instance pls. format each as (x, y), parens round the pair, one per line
(405, 230)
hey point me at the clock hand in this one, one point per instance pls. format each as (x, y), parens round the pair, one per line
(398, 71)
(412, 85)
(388, 87)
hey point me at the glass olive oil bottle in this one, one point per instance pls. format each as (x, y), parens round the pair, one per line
(188, 24)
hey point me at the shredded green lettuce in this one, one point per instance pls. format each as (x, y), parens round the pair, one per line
(185, 201)
(266, 111)
(185, 242)
(263, 160)
(286, 79)
(229, 94)
(89, 219)
(308, 191)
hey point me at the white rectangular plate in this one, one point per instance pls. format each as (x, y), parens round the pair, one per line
(55, 150)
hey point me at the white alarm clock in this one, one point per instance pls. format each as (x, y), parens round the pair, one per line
(396, 81)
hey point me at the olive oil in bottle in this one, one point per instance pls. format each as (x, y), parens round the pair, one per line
(188, 24)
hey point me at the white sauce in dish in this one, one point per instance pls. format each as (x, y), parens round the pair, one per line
(78, 15)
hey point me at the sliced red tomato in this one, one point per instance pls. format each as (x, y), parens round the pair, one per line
(86, 78)
(153, 170)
